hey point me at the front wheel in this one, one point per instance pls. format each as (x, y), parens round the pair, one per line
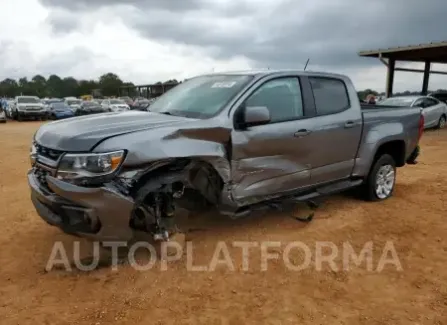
(441, 122)
(381, 180)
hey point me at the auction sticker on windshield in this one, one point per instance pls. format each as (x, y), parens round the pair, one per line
(227, 84)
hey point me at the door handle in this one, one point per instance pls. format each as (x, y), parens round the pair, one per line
(301, 133)
(349, 124)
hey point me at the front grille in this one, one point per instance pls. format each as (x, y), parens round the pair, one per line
(48, 153)
(41, 177)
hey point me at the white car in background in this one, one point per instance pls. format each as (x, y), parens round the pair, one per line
(434, 111)
(28, 107)
(9, 108)
(73, 102)
(115, 105)
(2, 115)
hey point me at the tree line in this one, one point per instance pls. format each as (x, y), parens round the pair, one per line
(56, 86)
(107, 85)
(364, 93)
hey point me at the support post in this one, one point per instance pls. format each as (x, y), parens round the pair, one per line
(390, 77)
(426, 77)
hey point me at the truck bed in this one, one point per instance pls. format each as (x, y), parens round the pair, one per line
(407, 115)
(382, 107)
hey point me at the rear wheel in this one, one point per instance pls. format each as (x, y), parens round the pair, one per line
(381, 180)
(441, 122)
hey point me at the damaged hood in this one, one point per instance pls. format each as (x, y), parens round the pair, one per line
(84, 133)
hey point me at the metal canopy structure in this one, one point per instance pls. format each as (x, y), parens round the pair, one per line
(427, 53)
(149, 91)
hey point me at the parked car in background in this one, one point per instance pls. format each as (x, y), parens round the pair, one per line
(90, 107)
(2, 115)
(47, 101)
(114, 105)
(28, 107)
(9, 108)
(141, 104)
(129, 101)
(60, 110)
(242, 141)
(73, 102)
(440, 95)
(434, 111)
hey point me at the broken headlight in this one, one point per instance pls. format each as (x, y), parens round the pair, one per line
(89, 165)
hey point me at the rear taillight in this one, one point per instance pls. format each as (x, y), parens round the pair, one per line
(421, 126)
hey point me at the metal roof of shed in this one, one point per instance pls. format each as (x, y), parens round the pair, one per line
(435, 52)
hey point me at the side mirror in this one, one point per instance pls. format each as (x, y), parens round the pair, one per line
(255, 115)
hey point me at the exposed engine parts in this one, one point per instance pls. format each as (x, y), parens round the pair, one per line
(157, 196)
(156, 213)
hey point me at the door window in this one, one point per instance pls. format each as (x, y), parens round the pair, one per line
(331, 95)
(428, 102)
(281, 96)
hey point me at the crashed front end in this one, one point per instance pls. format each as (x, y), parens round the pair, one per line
(97, 211)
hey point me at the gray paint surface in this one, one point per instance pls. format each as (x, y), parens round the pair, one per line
(257, 163)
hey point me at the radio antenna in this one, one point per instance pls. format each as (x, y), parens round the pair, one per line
(307, 62)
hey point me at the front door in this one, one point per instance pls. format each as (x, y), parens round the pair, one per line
(273, 158)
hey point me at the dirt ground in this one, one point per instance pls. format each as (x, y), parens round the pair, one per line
(414, 220)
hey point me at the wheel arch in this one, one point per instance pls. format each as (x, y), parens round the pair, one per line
(199, 173)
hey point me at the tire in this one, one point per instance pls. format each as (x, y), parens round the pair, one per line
(441, 122)
(384, 165)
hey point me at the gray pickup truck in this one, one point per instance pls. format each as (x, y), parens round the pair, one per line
(238, 140)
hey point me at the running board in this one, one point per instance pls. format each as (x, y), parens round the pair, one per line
(328, 189)
(318, 192)
(338, 187)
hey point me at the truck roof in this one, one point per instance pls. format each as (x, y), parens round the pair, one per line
(265, 72)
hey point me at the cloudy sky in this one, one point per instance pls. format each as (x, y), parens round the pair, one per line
(145, 41)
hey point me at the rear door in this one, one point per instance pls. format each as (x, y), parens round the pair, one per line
(337, 129)
(274, 158)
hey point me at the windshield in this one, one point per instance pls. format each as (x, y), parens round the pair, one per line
(55, 100)
(28, 100)
(90, 104)
(200, 97)
(397, 101)
(73, 101)
(117, 102)
(60, 106)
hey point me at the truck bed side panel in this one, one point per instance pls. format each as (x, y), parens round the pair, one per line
(382, 125)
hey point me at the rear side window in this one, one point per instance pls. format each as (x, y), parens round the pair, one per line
(431, 102)
(330, 95)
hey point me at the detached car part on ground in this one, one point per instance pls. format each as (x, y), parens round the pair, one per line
(240, 141)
